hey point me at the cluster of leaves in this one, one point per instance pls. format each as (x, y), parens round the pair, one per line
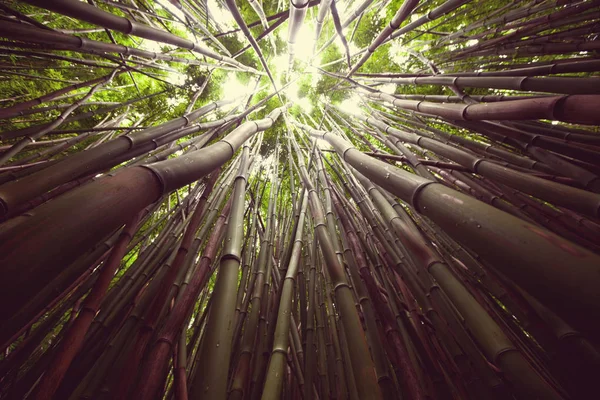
(29, 77)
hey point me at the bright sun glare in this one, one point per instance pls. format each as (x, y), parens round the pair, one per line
(305, 43)
(233, 88)
(352, 105)
(220, 14)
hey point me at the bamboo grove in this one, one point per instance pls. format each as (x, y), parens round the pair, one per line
(326, 199)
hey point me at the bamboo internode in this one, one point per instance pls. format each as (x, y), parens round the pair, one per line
(299, 200)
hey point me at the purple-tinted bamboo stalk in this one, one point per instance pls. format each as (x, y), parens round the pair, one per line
(468, 226)
(94, 15)
(574, 109)
(152, 375)
(72, 341)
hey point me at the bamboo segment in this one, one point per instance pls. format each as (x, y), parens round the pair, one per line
(505, 246)
(274, 381)
(421, 221)
(216, 346)
(576, 109)
(107, 20)
(158, 178)
(362, 365)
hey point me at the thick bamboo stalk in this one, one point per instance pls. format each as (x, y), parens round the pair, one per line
(489, 335)
(124, 194)
(101, 156)
(583, 201)
(574, 109)
(209, 382)
(71, 343)
(564, 85)
(322, 13)
(94, 15)
(501, 239)
(298, 10)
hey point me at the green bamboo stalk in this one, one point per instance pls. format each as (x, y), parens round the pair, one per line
(274, 378)
(210, 382)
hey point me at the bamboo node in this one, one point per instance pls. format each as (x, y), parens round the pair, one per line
(340, 285)
(417, 191)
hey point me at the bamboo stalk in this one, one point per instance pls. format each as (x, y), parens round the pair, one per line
(468, 224)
